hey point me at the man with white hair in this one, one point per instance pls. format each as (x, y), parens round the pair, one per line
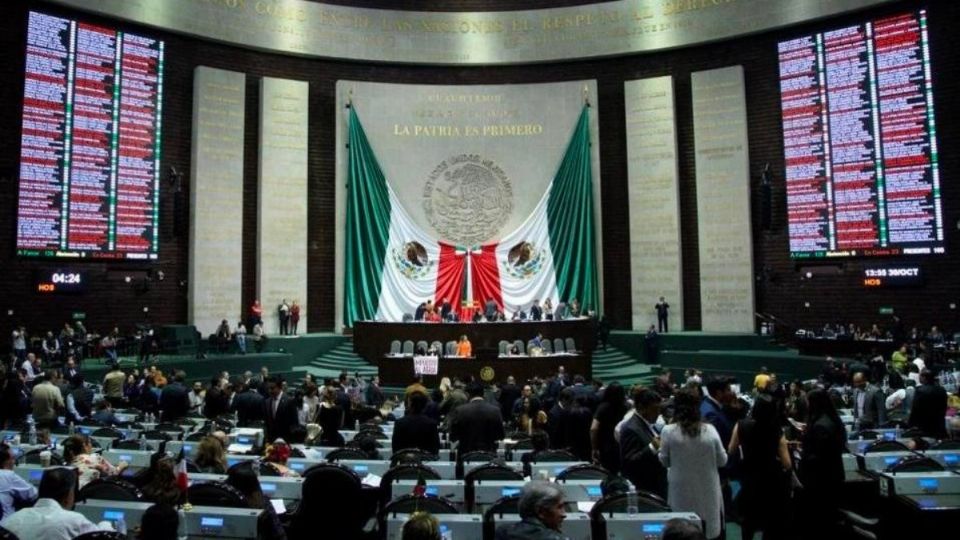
(542, 511)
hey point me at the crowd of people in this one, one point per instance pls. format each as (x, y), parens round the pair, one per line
(686, 443)
(491, 311)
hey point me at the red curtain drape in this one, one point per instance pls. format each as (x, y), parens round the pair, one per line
(486, 276)
(450, 276)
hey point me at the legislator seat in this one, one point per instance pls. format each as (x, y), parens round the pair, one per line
(571, 345)
(584, 471)
(107, 432)
(331, 493)
(506, 505)
(409, 471)
(450, 349)
(546, 346)
(520, 348)
(408, 347)
(101, 535)
(558, 346)
(110, 489)
(216, 494)
(503, 346)
(422, 345)
(395, 346)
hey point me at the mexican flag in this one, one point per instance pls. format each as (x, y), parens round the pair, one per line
(393, 265)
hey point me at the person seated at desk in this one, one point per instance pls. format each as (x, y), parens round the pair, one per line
(421, 526)
(243, 477)
(211, 456)
(542, 511)
(513, 350)
(78, 451)
(14, 491)
(277, 454)
(163, 488)
(518, 315)
(464, 348)
(52, 517)
(478, 317)
(159, 522)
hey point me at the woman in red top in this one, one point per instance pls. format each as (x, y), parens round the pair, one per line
(294, 316)
(432, 315)
(256, 314)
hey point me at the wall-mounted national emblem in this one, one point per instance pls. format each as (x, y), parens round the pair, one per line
(523, 261)
(412, 260)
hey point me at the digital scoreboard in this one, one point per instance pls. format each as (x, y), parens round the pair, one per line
(860, 144)
(89, 183)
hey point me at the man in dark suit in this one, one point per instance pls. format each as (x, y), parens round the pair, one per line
(490, 309)
(249, 406)
(478, 425)
(175, 399)
(713, 407)
(217, 402)
(445, 309)
(663, 310)
(536, 312)
(280, 412)
(557, 383)
(583, 392)
(415, 429)
(869, 407)
(568, 424)
(639, 444)
(509, 393)
(929, 407)
(421, 309)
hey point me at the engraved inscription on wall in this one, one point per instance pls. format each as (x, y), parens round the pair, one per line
(282, 198)
(723, 200)
(216, 199)
(655, 260)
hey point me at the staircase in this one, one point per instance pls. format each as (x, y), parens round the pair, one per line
(612, 364)
(339, 359)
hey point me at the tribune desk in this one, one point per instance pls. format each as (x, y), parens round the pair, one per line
(399, 370)
(371, 340)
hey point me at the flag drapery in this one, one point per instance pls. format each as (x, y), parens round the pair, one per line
(392, 265)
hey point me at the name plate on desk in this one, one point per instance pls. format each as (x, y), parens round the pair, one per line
(425, 365)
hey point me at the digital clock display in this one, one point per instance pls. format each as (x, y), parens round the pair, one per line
(907, 275)
(60, 282)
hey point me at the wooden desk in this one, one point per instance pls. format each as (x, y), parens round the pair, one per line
(371, 340)
(398, 370)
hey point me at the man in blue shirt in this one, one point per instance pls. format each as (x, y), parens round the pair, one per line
(14, 491)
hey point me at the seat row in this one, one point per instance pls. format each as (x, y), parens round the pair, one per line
(547, 346)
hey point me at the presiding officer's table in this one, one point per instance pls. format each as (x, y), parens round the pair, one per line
(371, 340)
(399, 371)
